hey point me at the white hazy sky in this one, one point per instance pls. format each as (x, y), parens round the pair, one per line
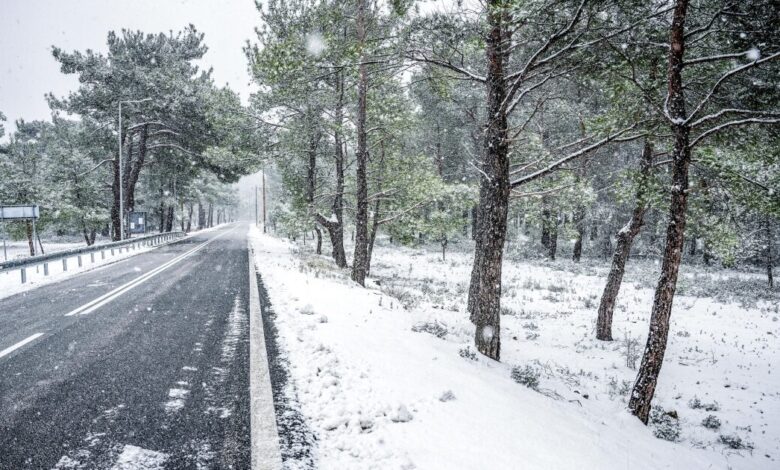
(28, 29)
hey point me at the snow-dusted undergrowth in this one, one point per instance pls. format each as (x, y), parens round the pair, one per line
(388, 378)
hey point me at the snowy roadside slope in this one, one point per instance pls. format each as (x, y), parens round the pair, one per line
(376, 393)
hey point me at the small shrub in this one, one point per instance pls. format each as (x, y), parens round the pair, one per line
(508, 311)
(556, 288)
(589, 302)
(630, 350)
(732, 441)
(711, 422)
(447, 396)
(665, 424)
(530, 326)
(697, 404)
(434, 328)
(467, 353)
(530, 336)
(527, 376)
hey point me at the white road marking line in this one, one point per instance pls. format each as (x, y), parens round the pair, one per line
(21, 343)
(93, 305)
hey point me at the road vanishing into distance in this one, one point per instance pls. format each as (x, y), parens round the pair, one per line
(140, 364)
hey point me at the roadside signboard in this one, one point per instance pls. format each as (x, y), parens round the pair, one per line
(138, 222)
(19, 212)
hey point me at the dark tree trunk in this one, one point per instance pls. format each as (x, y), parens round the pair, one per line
(210, 221)
(360, 261)
(162, 210)
(579, 225)
(170, 219)
(372, 233)
(30, 239)
(40, 245)
(89, 235)
(189, 217)
(336, 228)
(485, 288)
(201, 215)
(625, 238)
(546, 223)
(133, 167)
(652, 359)
(769, 257)
(553, 248)
(318, 232)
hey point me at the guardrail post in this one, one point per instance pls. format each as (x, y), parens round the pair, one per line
(64, 264)
(24, 275)
(112, 252)
(102, 254)
(45, 269)
(79, 259)
(92, 257)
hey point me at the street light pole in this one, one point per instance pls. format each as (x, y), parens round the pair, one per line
(121, 171)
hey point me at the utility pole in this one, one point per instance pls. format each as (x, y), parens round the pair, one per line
(255, 205)
(264, 229)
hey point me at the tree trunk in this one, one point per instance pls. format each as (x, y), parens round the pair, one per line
(318, 232)
(553, 248)
(201, 215)
(360, 262)
(30, 240)
(625, 238)
(652, 359)
(485, 288)
(336, 228)
(189, 217)
(40, 245)
(579, 225)
(546, 223)
(769, 258)
(210, 221)
(372, 234)
(170, 219)
(89, 235)
(133, 167)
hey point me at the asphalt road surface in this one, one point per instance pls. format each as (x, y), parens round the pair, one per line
(122, 368)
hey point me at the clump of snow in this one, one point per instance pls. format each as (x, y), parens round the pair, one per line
(137, 458)
(753, 54)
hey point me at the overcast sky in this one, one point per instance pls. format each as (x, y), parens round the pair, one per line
(28, 29)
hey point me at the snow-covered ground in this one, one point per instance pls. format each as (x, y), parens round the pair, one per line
(17, 249)
(387, 376)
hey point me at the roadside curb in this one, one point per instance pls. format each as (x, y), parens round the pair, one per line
(266, 454)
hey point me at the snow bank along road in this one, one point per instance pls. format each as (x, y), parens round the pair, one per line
(143, 364)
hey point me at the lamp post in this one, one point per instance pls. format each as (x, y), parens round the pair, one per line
(121, 170)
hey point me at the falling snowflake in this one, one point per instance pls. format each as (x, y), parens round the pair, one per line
(315, 44)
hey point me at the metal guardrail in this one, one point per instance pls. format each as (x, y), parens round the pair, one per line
(146, 240)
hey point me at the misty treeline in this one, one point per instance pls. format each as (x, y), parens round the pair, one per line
(184, 141)
(581, 129)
